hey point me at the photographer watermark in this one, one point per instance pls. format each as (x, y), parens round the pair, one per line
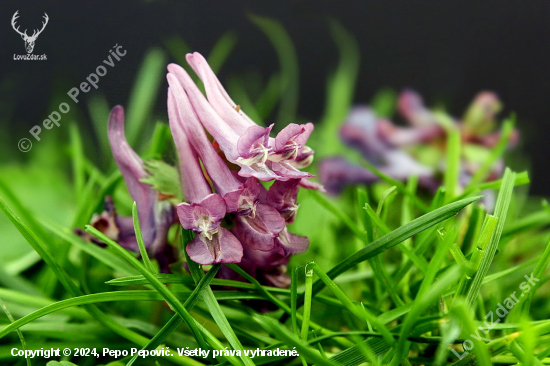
(29, 40)
(92, 80)
(503, 308)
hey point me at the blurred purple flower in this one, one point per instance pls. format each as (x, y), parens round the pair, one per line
(397, 150)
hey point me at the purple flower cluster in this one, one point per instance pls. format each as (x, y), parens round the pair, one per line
(253, 216)
(417, 149)
(234, 217)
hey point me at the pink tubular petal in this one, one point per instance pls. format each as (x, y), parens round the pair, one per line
(132, 169)
(217, 96)
(195, 186)
(214, 124)
(223, 247)
(253, 162)
(287, 243)
(219, 172)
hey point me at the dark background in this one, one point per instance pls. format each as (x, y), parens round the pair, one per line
(446, 50)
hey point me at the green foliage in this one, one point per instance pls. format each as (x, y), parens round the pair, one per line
(394, 275)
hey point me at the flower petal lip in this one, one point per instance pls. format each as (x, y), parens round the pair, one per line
(282, 196)
(204, 216)
(259, 230)
(222, 247)
(287, 244)
(132, 168)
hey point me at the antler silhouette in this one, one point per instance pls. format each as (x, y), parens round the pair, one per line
(13, 19)
(36, 33)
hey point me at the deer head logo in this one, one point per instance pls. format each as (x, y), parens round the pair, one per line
(29, 40)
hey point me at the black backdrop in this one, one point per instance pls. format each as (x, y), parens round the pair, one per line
(447, 50)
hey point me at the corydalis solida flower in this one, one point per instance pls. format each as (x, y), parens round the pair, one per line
(244, 142)
(257, 224)
(155, 215)
(417, 149)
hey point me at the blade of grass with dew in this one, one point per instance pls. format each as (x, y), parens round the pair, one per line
(340, 89)
(395, 237)
(64, 278)
(288, 61)
(307, 308)
(501, 209)
(307, 303)
(144, 94)
(139, 239)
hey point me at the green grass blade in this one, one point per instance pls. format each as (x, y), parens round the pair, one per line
(397, 236)
(221, 50)
(501, 209)
(340, 89)
(452, 164)
(288, 61)
(144, 94)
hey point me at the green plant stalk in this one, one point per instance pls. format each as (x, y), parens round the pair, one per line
(487, 230)
(501, 209)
